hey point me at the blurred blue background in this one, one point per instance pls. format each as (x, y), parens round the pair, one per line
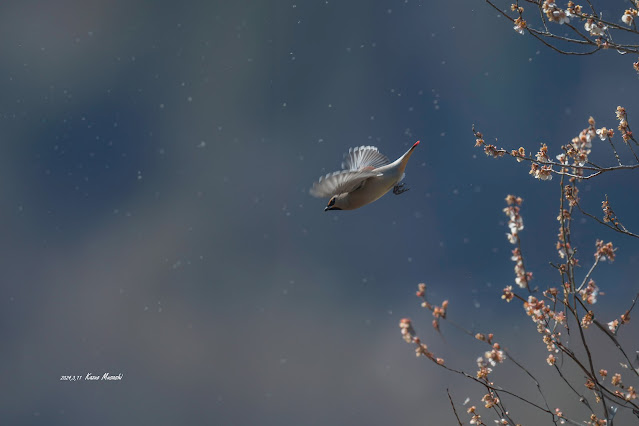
(156, 161)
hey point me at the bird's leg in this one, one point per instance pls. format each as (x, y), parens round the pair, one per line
(399, 189)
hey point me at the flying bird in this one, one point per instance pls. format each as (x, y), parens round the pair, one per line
(366, 177)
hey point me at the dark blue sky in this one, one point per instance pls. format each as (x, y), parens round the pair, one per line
(157, 223)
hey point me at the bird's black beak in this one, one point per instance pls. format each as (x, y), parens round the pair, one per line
(331, 208)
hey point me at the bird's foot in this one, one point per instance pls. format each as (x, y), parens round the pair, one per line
(399, 189)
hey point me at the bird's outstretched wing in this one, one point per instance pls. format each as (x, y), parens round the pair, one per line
(340, 182)
(364, 157)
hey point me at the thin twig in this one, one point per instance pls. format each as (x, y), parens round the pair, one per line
(454, 409)
(615, 150)
(597, 170)
(612, 336)
(534, 380)
(587, 277)
(617, 344)
(621, 230)
(582, 398)
(500, 389)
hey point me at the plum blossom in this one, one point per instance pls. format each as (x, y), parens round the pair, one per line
(604, 133)
(590, 293)
(595, 28)
(541, 172)
(495, 356)
(520, 25)
(629, 16)
(605, 251)
(554, 13)
(560, 17)
(613, 325)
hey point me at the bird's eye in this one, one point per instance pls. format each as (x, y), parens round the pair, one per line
(331, 202)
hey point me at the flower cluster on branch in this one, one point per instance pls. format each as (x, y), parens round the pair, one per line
(570, 28)
(564, 314)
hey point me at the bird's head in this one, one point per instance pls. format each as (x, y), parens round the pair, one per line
(337, 202)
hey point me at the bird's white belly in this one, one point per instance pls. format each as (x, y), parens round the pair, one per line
(373, 189)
